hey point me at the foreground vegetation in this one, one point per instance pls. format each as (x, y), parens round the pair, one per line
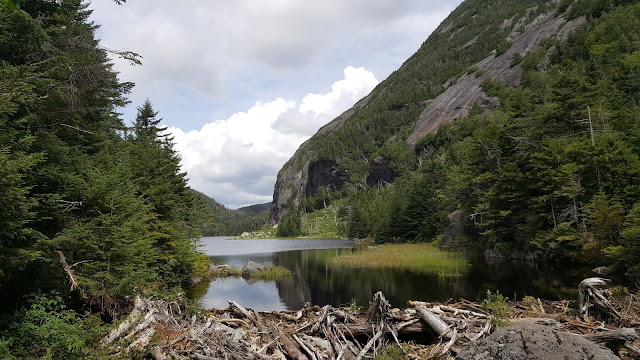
(418, 258)
(93, 212)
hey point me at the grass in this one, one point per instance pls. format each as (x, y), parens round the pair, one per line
(418, 258)
(393, 352)
(321, 224)
(272, 273)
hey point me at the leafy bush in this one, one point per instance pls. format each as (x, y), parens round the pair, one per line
(496, 306)
(47, 330)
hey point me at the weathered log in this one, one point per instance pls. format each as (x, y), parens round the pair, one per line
(588, 294)
(415, 328)
(244, 312)
(290, 347)
(613, 339)
(438, 326)
(369, 344)
(131, 320)
(67, 269)
(157, 353)
(304, 347)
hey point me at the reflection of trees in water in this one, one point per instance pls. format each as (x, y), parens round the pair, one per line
(517, 279)
(316, 281)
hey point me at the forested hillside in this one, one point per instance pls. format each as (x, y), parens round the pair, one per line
(514, 129)
(93, 212)
(226, 222)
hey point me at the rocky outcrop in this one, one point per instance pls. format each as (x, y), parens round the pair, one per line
(531, 342)
(457, 100)
(323, 173)
(380, 172)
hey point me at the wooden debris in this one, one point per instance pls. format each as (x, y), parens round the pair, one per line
(425, 330)
(589, 295)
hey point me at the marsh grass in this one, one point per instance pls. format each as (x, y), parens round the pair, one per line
(418, 258)
(272, 273)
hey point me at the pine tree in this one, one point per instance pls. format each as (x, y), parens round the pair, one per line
(156, 167)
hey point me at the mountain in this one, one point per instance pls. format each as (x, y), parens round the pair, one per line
(369, 143)
(224, 221)
(255, 209)
(514, 127)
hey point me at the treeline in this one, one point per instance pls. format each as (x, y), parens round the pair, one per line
(226, 222)
(91, 212)
(554, 170)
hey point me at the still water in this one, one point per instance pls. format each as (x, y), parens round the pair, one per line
(316, 281)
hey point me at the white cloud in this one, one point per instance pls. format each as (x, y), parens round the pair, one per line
(226, 51)
(236, 160)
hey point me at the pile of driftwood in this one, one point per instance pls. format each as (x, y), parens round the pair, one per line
(424, 330)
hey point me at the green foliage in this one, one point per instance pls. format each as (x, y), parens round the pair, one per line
(353, 306)
(393, 352)
(74, 180)
(47, 330)
(496, 305)
(221, 221)
(290, 225)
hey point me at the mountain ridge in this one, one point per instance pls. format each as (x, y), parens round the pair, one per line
(426, 113)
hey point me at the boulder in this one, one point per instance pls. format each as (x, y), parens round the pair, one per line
(532, 341)
(602, 270)
(456, 229)
(249, 268)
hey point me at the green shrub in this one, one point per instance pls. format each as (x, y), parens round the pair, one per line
(47, 330)
(496, 306)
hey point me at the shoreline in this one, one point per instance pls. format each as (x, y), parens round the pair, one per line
(416, 330)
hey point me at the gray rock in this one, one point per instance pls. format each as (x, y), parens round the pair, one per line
(532, 342)
(249, 268)
(456, 228)
(601, 270)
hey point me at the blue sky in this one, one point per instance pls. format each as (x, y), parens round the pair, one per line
(241, 84)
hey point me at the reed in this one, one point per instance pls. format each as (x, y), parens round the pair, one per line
(419, 258)
(272, 273)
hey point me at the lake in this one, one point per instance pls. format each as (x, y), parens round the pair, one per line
(316, 281)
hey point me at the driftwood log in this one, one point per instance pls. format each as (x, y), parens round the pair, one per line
(590, 295)
(315, 333)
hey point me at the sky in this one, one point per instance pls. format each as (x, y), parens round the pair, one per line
(241, 84)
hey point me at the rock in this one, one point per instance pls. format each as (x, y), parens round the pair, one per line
(194, 281)
(456, 229)
(531, 341)
(249, 268)
(601, 270)
(245, 234)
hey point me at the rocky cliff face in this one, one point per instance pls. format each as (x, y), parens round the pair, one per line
(305, 172)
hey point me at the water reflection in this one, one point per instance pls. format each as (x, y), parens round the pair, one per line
(315, 280)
